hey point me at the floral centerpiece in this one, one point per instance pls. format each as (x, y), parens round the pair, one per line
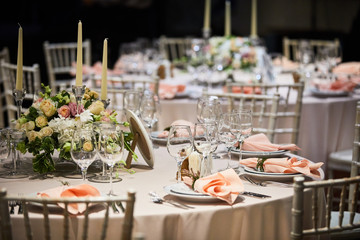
(233, 52)
(51, 120)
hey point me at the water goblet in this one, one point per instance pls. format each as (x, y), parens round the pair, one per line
(132, 100)
(205, 142)
(180, 145)
(242, 127)
(111, 148)
(149, 110)
(226, 135)
(83, 149)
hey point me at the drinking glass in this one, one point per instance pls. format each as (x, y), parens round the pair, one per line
(149, 109)
(4, 144)
(83, 149)
(242, 127)
(132, 100)
(111, 148)
(208, 109)
(226, 133)
(205, 142)
(180, 145)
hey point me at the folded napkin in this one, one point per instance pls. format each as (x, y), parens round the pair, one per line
(260, 142)
(83, 190)
(165, 133)
(348, 68)
(245, 90)
(285, 165)
(225, 185)
(168, 91)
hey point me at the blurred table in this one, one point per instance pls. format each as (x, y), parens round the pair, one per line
(248, 218)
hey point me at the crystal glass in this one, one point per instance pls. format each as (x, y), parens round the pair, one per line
(83, 149)
(226, 134)
(4, 144)
(149, 109)
(242, 127)
(180, 145)
(206, 142)
(208, 109)
(111, 148)
(132, 100)
(14, 137)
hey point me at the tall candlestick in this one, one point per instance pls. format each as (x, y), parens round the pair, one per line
(104, 73)
(207, 15)
(19, 72)
(79, 56)
(227, 18)
(253, 18)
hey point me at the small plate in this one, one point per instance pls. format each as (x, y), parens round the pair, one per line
(324, 94)
(182, 191)
(155, 138)
(248, 154)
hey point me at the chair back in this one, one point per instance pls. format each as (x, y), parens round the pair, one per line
(264, 109)
(45, 206)
(60, 58)
(4, 56)
(338, 222)
(31, 83)
(291, 46)
(174, 48)
(290, 103)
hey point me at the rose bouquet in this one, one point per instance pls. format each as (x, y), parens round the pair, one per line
(51, 120)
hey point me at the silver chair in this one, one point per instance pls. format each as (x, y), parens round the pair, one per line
(291, 46)
(342, 160)
(59, 58)
(264, 109)
(174, 48)
(4, 56)
(289, 93)
(29, 204)
(31, 82)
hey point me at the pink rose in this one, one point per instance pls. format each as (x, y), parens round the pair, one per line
(73, 110)
(64, 111)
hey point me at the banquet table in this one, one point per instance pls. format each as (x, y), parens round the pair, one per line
(248, 218)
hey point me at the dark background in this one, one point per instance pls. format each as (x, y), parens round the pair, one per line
(126, 20)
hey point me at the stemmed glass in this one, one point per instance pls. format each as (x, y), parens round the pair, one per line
(83, 149)
(180, 145)
(205, 142)
(4, 144)
(111, 148)
(208, 110)
(226, 134)
(149, 109)
(242, 127)
(132, 100)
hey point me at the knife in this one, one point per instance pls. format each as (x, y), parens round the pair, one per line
(253, 194)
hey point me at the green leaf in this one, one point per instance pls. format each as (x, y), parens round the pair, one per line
(43, 163)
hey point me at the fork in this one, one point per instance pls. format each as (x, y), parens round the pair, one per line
(12, 205)
(264, 183)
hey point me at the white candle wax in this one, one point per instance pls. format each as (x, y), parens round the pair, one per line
(79, 57)
(19, 72)
(104, 73)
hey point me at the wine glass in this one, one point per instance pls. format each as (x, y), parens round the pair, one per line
(180, 145)
(132, 100)
(111, 148)
(149, 110)
(205, 142)
(83, 149)
(226, 135)
(242, 127)
(208, 109)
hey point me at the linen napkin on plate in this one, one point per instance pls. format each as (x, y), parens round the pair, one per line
(286, 165)
(168, 91)
(82, 190)
(165, 133)
(225, 185)
(260, 142)
(348, 68)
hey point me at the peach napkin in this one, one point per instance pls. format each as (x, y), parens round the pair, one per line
(245, 90)
(168, 91)
(82, 190)
(348, 68)
(260, 142)
(285, 165)
(165, 133)
(225, 185)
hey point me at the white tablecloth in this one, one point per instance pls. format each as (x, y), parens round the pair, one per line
(249, 218)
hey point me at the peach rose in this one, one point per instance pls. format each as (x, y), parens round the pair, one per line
(47, 107)
(28, 126)
(96, 107)
(88, 146)
(64, 111)
(41, 121)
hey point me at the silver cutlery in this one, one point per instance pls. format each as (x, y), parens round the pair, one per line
(115, 210)
(157, 199)
(253, 194)
(12, 205)
(265, 183)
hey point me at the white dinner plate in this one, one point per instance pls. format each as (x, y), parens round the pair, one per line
(181, 190)
(155, 138)
(281, 177)
(324, 94)
(248, 154)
